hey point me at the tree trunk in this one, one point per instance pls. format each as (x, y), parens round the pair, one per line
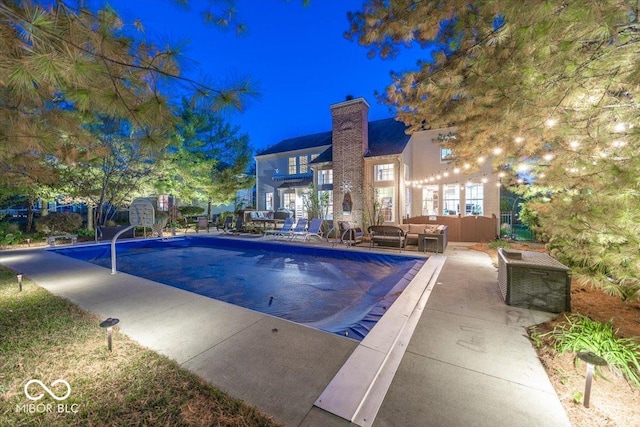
(30, 204)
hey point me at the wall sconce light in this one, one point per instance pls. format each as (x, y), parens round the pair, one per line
(592, 360)
(109, 324)
(19, 277)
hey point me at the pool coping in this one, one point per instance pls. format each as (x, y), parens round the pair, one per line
(361, 371)
(358, 389)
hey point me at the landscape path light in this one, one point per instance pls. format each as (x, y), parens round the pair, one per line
(592, 360)
(109, 324)
(19, 277)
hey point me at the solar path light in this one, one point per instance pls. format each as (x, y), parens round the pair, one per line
(592, 360)
(19, 277)
(109, 324)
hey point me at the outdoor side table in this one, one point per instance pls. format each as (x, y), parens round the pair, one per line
(534, 280)
(422, 242)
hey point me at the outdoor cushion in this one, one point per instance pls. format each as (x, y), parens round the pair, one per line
(416, 228)
(431, 229)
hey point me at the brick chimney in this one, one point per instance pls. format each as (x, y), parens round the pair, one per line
(350, 141)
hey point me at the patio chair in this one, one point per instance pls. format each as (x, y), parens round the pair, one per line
(286, 228)
(313, 230)
(350, 235)
(227, 225)
(239, 228)
(202, 223)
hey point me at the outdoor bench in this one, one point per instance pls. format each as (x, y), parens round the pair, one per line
(73, 237)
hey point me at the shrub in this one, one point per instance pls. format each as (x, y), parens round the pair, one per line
(85, 232)
(580, 333)
(190, 210)
(499, 244)
(59, 222)
(10, 234)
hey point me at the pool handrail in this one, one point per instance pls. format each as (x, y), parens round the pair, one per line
(113, 246)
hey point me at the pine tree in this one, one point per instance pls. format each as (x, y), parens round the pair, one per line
(60, 65)
(547, 90)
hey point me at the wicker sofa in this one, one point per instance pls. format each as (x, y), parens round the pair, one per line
(437, 233)
(387, 235)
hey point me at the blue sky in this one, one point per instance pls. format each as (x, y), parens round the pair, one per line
(297, 57)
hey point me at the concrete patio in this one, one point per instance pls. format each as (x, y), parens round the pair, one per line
(463, 360)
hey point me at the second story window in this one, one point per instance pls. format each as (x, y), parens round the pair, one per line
(383, 172)
(304, 161)
(325, 176)
(293, 166)
(446, 154)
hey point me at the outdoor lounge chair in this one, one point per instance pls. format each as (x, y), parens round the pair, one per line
(286, 228)
(299, 229)
(313, 230)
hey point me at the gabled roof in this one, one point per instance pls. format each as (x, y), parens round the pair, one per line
(386, 136)
(324, 157)
(299, 143)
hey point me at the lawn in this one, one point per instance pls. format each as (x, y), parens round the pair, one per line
(46, 338)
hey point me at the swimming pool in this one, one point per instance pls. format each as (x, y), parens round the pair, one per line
(339, 291)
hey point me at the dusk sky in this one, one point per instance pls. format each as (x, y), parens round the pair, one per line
(297, 57)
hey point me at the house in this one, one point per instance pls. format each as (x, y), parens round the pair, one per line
(359, 161)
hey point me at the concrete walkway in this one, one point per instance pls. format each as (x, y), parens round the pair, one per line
(468, 362)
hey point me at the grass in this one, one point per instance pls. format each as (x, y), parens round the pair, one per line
(46, 337)
(580, 333)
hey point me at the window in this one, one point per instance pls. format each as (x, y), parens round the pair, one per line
(328, 196)
(451, 196)
(385, 198)
(430, 200)
(303, 162)
(474, 199)
(293, 167)
(325, 176)
(408, 199)
(289, 201)
(446, 154)
(383, 172)
(163, 203)
(313, 156)
(268, 201)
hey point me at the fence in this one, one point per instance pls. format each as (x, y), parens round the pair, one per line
(463, 229)
(517, 231)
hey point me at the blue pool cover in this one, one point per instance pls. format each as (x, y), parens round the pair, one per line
(339, 291)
